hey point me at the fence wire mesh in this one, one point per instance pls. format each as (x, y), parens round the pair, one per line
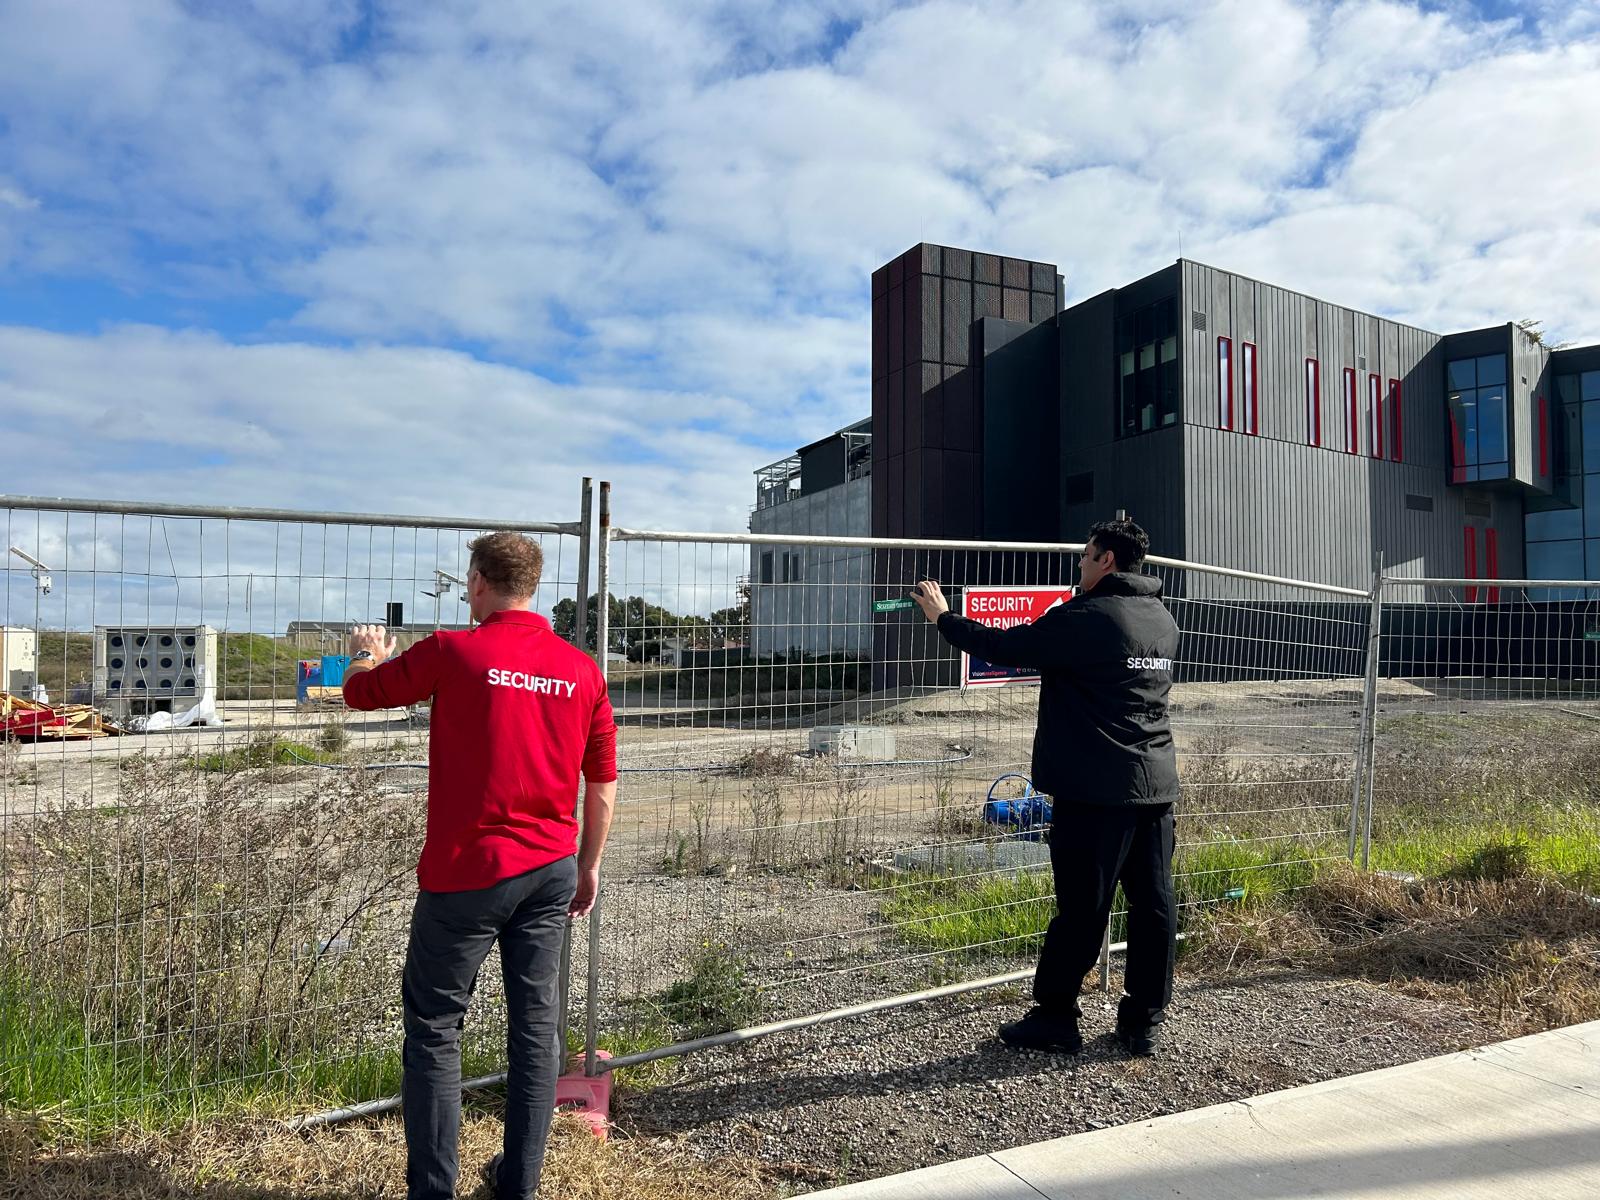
(814, 807)
(207, 863)
(204, 908)
(1486, 731)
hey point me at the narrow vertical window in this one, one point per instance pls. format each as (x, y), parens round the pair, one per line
(1247, 381)
(1352, 430)
(1491, 551)
(1224, 383)
(1396, 423)
(1374, 416)
(1470, 548)
(1313, 403)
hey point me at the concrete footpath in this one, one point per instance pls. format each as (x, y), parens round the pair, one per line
(1519, 1118)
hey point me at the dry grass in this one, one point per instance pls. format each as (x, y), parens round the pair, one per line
(356, 1162)
(1523, 952)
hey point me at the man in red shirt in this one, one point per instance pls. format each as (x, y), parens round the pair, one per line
(517, 715)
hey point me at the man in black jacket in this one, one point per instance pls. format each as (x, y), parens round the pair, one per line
(1103, 751)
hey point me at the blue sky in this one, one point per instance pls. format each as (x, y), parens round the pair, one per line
(471, 252)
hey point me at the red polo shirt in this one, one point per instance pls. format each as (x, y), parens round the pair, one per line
(517, 714)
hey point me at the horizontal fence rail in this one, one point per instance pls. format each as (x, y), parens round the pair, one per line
(207, 862)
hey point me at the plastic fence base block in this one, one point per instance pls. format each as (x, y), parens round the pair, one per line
(587, 1099)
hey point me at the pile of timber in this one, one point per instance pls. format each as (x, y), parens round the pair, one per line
(30, 721)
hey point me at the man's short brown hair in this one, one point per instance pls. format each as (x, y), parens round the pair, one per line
(509, 562)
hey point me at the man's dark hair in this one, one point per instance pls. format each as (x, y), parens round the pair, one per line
(509, 563)
(1126, 541)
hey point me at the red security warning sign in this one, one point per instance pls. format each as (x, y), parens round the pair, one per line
(1003, 608)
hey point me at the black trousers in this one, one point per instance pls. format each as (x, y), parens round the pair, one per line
(451, 933)
(1092, 848)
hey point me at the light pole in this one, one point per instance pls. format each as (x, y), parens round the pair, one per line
(443, 581)
(41, 589)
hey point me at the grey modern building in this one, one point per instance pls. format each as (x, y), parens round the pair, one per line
(1243, 424)
(821, 489)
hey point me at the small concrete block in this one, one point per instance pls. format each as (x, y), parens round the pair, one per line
(863, 742)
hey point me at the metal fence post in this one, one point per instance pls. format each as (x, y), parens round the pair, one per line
(1370, 734)
(602, 629)
(1362, 774)
(580, 627)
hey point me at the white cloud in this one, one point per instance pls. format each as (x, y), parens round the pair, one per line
(14, 197)
(144, 413)
(663, 217)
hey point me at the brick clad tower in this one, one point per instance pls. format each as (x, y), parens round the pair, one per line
(927, 419)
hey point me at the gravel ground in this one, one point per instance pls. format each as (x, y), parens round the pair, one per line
(932, 1083)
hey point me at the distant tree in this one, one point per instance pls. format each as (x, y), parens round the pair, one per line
(632, 620)
(732, 624)
(1536, 334)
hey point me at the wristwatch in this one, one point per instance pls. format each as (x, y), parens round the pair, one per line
(360, 654)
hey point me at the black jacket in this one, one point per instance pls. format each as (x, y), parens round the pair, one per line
(1105, 662)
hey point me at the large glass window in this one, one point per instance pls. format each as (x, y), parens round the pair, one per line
(1556, 525)
(1557, 517)
(1555, 560)
(1589, 436)
(1476, 397)
(1566, 428)
(1147, 368)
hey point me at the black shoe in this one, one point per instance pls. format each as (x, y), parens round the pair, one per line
(1043, 1029)
(1138, 1030)
(491, 1173)
(1140, 1043)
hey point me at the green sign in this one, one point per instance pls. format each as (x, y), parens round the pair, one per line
(892, 605)
(1591, 635)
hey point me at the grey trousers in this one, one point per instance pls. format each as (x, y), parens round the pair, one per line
(451, 933)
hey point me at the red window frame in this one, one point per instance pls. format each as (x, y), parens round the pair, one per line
(1544, 437)
(1252, 396)
(1396, 449)
(1352, 414)
(1224, 383)
(1375, 415)
(1313, 402)
(1491, 551)
(1471, 572)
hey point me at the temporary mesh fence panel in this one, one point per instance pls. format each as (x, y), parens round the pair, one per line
(207, 862)
(816, 813)
(1486, 730)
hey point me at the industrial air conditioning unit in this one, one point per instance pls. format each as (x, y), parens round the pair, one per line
(19, 661)
(140, 669)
